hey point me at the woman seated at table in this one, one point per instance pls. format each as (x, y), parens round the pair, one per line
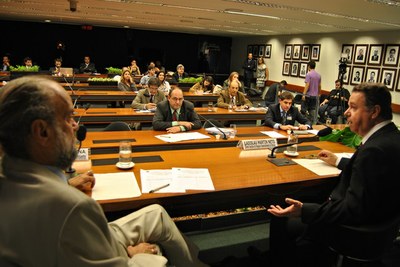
(205, 86)
(233, 76)
(125, 83)
(164, 84)
(134, 69)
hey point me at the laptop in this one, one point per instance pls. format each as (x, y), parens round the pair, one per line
(67, 71)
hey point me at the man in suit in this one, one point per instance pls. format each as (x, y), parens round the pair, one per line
(179, 74)
(149, 97)
(375, 56)
(275, 89)
(232, 98)
(283, 115)
(249, 67)
(360, 55)
(48, 222)
(367, 192)
(87, 66)
(176, 114)
(56, 70)
(357, 77)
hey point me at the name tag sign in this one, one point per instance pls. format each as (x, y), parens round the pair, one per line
(83, 154)
(268, 143)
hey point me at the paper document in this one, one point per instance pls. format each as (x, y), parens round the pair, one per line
(153, 179)
(115, 185)
(177, 137)
(318, 166)
(273, 134)
(214, 130)
(194, 179)
(313, 131)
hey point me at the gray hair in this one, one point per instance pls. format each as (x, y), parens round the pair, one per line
(23, 101)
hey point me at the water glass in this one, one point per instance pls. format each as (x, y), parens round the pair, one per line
(125, 151)
(233, 131)
(210, 106)
(292, 139)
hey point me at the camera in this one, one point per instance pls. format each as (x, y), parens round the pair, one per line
(73, 5)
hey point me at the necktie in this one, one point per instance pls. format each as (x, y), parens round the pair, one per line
(174, 117)
(151, 98)
(283, 117)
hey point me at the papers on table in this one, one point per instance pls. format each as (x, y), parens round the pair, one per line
(115, 185)
(320, 167)
(215, 131)
(177, 137)
(273, 134)
(178, 179)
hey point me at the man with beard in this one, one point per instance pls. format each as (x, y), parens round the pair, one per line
(45, 221)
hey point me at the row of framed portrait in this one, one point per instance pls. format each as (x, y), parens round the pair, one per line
(374, 54)
(260, 50)
(357, 74)
(295, 69)
(302, 52)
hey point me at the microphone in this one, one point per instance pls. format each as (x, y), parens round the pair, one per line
(210, 122)
(65, 79)
(80, 136)
(76, 101)
(272, 155)
(86, 107)
(324, 132)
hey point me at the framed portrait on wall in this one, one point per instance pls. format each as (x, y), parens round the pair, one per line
(249, 49)
(303, 70)
(295, 69)
(347, 49)
(375, 55)
(286, 68)
(315, 51)
(288, 52)
(296, 51)
(357, 75)
(345, 75)
(255, 50)
(261, 50)
(391, 55)
(268, 49)
(360, 55)
(305, 52)
(398, 83)
(388, 78)
(372, 75)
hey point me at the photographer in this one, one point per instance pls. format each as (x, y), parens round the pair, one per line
(335, 104)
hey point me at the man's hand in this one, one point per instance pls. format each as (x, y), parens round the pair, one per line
(174, 129)
(303, 127)
(187, 124)
(142, 248)
(328, 157)
(150, 105)
(294, 210)
(84, 181)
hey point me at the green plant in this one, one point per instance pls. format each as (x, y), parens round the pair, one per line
(34, 68)
(111, 70)
(102, 80)
(345, 136)
(191, 80)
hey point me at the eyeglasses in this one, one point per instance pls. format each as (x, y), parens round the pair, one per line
(175, 99)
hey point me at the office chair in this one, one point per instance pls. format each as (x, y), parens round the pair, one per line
(117, 126)
(365, 244)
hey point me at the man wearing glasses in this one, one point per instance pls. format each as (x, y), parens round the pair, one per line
(176, 114)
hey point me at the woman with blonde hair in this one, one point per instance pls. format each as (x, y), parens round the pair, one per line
(233, 76)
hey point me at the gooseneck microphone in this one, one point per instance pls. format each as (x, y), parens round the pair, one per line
(324, 132)
(272, 155)
(210, 122)
(86, 107)
(80, 136)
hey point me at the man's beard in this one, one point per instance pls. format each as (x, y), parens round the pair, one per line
(66, 153)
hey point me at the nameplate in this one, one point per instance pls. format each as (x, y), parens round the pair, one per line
(268, 143)
(83, 154)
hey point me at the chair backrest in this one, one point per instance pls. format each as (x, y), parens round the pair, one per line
(365, 242)
(117, 126)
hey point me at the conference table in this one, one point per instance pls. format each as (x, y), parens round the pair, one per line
(146, 140)
(108, 115)
(96, 96)
(241, 178)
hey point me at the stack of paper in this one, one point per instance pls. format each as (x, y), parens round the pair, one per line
(178, 180)
(115, 185)
(177, 137)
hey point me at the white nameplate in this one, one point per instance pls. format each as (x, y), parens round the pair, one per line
(83, 154)
(257, 144)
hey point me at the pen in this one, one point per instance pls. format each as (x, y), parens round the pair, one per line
(158, 188)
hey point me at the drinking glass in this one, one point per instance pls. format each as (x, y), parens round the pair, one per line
(233, 131)
(291, 140)
(125, 151)
(210, 106)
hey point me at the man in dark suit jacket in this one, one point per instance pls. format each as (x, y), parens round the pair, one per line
(175, 114)
(249, 67)
(87, 66)
(367, 192)
(283, 115)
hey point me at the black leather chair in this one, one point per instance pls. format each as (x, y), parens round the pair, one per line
(117, 126)
(365, 244)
